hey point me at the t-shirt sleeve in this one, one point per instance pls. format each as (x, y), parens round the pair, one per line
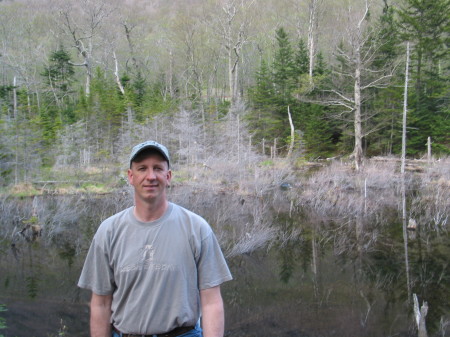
(97, 275)
(211, 265)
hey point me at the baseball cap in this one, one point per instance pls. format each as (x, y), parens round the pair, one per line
(150, 144)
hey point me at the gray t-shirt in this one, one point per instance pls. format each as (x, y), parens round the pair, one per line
(154, 269)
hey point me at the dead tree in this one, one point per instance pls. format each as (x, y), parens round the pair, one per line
(358, 52)
(234, 25)
(312, 32)
(82, 28)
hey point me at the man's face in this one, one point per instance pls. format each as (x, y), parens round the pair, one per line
(150, 178)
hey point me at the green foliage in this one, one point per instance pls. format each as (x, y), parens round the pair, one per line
(318, 134)
(2, 320)
(59, 73)
(5, 90)
(301, 59)
(138, 91)
(283, 67)
(262, 119)
(50, 123)
(426, 24)
(276, 88)
(5, 164)
(32, 284)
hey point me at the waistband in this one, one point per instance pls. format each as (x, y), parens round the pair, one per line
(173, 333)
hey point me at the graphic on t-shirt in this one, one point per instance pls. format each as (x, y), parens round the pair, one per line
(146, 257)
(147, 253)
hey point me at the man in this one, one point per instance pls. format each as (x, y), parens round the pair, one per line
(156, 267)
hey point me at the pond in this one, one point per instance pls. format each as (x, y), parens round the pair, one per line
(305, 275)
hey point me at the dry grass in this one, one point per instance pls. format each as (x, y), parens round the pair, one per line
(338, 191)
(430, 207)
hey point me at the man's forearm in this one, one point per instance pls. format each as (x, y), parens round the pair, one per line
(101, 316)
(213, 318)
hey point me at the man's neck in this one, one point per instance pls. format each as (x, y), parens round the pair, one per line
(147, 212)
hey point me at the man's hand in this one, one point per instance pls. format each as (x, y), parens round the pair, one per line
(213, 318)
(101, 315)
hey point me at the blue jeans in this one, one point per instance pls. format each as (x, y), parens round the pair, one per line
(196, 332)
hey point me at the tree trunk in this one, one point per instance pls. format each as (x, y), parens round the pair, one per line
(16, 121)
(358, 152)
(420, 314)
(311, 42)
(402, 170)
(291, 146)
(405, 110)
(116, 74)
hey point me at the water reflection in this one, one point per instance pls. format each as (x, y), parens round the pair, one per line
(315, 278)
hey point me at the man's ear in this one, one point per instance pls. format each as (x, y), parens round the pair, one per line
(130, 176)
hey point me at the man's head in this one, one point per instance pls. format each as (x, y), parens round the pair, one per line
(141, 150)
(149, 173)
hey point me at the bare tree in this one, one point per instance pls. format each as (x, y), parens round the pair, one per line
(234, 25)
(82, 24)
(312, 34)
(358, 52)
(403, 187)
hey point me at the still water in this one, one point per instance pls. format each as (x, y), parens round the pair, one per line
(313, 277)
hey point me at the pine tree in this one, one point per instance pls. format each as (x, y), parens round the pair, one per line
(301, 60)
(263, 122)
(262, 95)
(426, 23)
(386, 102)
(283, 67)
(138, 88)
(59, 73)
(318, 133)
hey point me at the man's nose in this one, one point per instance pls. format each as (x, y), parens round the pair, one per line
(151, 175)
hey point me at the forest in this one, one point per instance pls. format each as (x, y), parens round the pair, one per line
(82, 82)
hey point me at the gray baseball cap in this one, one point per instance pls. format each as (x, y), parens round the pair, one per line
(150, 144)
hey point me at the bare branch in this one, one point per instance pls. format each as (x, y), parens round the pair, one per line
(376, 83)
(341, 96)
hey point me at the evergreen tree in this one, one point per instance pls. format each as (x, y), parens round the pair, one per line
(318, 133)
(263, 122)
(284, 67)
(301, 60)
(426, 23)
(262, 95)
(386, 103)
(58, 75)
(138, 94)
(109, 108)
(50, 124)
(320, 68)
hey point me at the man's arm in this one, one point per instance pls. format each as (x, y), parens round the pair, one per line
(213, 318)
(101, 315)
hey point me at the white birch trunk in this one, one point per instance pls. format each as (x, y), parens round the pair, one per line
(291, 146)
(358, 153)
(311, 42)
(402, 170)
(116, 74)
(405, 110)
(16, 164)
